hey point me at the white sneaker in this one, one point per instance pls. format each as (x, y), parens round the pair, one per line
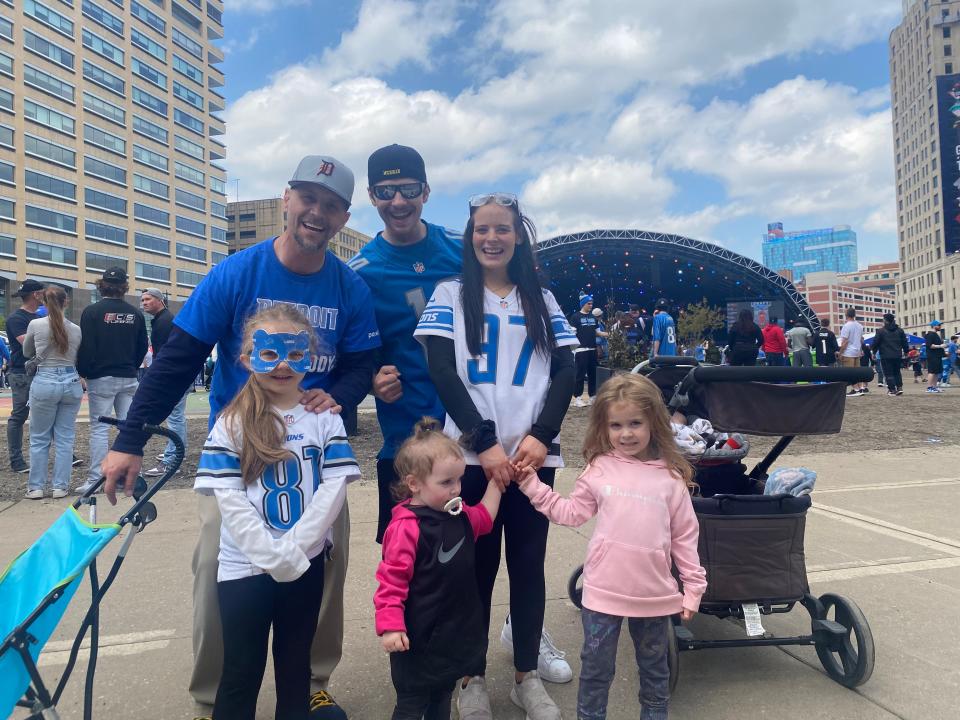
(532, 697)
(34, 495)
(551, 664)
(578, 402)
(59, 493)
(473, 703)
(82, 488)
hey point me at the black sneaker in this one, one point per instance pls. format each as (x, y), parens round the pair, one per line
(324, 707)
(891, 392)
(21, 468)
(864, 391)
(899, 391)
(76, 461)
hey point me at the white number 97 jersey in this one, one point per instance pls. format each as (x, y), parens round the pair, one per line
(508, 381)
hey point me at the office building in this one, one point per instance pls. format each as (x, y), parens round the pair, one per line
(250, 221)
(828, 295)
(805, 251)
(880, 276)
(110, 132)
(925, 108)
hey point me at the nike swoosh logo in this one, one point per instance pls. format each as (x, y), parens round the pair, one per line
(444, 556)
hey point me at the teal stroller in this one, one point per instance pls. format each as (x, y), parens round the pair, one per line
(37, 586)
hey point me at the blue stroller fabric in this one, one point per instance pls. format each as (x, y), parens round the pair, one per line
(57, 559)
(790, 481)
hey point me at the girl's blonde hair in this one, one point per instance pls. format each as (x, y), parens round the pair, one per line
(641, 392)
(55, 298)
(255, 427)
(419, 452)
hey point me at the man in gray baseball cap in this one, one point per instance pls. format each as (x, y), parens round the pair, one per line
(296, 269)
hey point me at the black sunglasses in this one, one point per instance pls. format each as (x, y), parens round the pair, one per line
(408, 191)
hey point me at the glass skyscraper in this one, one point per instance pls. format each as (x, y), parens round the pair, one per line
(806, 251)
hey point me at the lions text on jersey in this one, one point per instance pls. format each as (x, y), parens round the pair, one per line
(508, 381)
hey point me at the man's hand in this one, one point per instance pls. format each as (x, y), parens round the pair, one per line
(317, 401)
(395, 642)
(530, 454)
(386, 384)
(686, 614)
(496, 466)
(123, 468)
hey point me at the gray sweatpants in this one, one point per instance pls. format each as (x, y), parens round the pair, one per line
(601, 633)
(207, 632)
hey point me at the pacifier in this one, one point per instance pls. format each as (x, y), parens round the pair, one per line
(454, 506)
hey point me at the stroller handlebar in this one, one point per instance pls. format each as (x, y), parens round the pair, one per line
(725, 373)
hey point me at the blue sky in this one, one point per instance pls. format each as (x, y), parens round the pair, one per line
(702, 118)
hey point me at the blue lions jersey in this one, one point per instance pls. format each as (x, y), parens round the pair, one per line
(665, 332)
(402, 279)
(335, 300)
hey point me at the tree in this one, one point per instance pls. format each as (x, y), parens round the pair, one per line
(697, 321)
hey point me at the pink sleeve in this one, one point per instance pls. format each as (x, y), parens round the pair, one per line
(479, 518)
(574, 511)
(684, 533)
(394, 573)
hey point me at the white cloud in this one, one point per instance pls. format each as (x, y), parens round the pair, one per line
(233, 45)
(261, 6)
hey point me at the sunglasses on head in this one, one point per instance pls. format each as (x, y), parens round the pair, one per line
(505, 199)
(408, 191)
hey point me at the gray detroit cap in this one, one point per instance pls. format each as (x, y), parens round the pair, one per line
(327, 172)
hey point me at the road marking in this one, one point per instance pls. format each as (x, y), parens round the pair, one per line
(863, 563)
(850, 573)
(933, 542)
(890, 486)
(57, 653)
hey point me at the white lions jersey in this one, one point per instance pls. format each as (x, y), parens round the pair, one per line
(284, 490)
(508, 381)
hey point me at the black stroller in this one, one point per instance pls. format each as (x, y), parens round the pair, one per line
(751, 544)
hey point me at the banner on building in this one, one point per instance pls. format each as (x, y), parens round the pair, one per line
(948, 104)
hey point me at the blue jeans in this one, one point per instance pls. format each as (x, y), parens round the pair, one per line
(598, 664)
(106, 396)
(55, 396)
(177, 422)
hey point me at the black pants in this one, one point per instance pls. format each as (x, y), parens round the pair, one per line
(386, 477)
(586, 369)
(891, 371)
(525, 533)
(248, 608)
(429, 705)
(744, 357)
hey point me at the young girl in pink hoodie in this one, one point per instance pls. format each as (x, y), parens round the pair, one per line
(638, 484)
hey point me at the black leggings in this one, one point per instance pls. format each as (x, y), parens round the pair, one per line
(586, 370)
(424, 705)
(525, 532)
(248, 608)
(891, 371)
(386, 477)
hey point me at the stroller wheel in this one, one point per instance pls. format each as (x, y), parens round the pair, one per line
(847, 658)
(673, 656)
(575, 587)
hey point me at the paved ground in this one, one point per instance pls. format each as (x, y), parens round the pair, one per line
(883, 532)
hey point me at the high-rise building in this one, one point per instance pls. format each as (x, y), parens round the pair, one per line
(250, 221)
(109, 140)
(805, 251)
(925, 100)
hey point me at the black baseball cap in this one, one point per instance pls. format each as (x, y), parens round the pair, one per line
(115, 274)
(393, 162)
(663, 304)
(30, 286)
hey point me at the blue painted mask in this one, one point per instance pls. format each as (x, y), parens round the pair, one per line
(270, 349)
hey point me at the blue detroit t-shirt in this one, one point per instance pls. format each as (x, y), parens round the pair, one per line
(336, 301)
(666, 333)
(402, 279)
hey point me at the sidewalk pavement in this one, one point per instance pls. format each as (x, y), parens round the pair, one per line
(889, 543)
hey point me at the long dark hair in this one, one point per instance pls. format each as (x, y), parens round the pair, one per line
(744, 324)
(522, 271)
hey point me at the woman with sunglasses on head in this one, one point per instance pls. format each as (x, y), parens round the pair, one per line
(499, 352)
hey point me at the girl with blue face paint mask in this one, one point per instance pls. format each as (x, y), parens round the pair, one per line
(279, 474)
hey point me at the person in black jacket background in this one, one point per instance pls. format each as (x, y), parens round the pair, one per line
(890, 345)
(744, 339)
(154, 303)
(113, 346)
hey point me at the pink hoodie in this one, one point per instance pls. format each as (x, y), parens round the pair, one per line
(645, 519)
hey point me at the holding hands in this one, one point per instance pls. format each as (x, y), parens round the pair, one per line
(394, 641)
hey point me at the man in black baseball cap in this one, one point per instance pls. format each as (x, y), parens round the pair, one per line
(31, 294)
(113, 347)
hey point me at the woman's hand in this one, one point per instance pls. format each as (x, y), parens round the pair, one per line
(530, 454)
(686, 614)
(496, 466)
